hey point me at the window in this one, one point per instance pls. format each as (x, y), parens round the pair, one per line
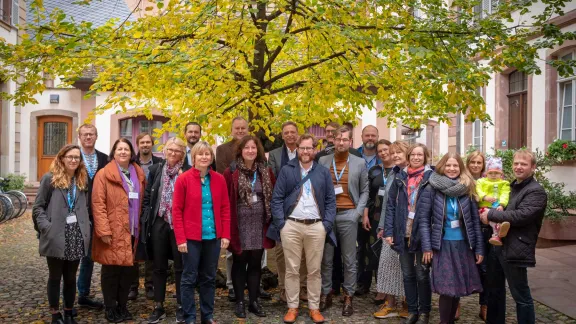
(567, 104)
(477, 139)
(9, 12)
(130, 128)
(486, 7)
(517, 110)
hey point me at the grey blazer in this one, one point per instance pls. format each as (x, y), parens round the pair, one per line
(275, 160)
(50, 211)
(358, 186)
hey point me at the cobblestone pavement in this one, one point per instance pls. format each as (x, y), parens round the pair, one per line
(23, 275)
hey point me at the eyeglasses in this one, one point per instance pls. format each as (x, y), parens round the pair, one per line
(172, 151)
(306, 149)
(88, 135)
(71, 158)
(342, 140)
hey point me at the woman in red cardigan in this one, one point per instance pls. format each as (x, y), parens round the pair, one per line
(250, 185)
(201, 219)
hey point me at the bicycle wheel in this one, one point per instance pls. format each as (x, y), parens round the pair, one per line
(2, 212)
(20, 201)
(8, 208)
(16, 203)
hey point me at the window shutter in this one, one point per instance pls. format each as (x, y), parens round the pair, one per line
(15, 12)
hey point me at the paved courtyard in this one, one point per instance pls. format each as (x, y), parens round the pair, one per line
(23, 275)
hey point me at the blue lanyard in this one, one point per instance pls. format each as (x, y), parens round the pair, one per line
(369, 163)
(307, 187)
(254, 180)
(72, 198)
(413, 196)
(90, 167)
(454, 204)
(338, 177)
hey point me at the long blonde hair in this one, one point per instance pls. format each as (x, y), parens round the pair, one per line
(465, 176)
(60, 178)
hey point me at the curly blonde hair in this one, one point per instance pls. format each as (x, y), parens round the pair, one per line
(60, 178)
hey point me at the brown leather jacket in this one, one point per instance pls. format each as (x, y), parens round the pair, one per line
(110, 210)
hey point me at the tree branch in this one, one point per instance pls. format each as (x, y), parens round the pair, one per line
(233, 106)
(278, 49)
(294, 85)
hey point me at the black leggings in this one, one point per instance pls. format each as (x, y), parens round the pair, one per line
(448, 306)
(246, 269)
(66, 270)
(115, 281)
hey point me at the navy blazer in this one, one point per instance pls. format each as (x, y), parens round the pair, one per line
(286, 194)
(432, 215)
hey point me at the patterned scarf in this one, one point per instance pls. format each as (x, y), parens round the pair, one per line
(169, 176)
(449, 187)
(414, 178)
(245, 177)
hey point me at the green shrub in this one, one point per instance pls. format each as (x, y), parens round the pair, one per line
(561, 150)
(15, 181)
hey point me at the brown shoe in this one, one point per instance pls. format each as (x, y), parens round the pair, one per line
(283, 295)
(483, 312)
(457, 316)
(291, 315)
(325, 302)
(347, 309)
(316, 316)
(303, 294)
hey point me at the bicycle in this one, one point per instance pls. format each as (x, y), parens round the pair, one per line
(13, 203)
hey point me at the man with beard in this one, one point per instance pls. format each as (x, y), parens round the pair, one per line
(193, 133)
(350, 179)
(368, 148)
(94, 161)
(144, 159)
(303, 208)
(330, 131)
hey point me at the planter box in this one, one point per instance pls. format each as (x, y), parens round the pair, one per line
(564, 230)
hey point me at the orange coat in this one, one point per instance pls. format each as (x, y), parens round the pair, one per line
(110, 210)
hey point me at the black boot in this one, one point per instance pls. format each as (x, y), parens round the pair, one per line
(256, 309)
(112, 315)
(124, 313)
(240, 309)
(423, 319)
(411, 319)
(264, 294)
(231, 295)
(69, 317)
(57, 318)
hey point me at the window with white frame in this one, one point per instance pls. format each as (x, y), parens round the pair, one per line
(477, 135)
(567, 104)
(130, 128)
(486, 7)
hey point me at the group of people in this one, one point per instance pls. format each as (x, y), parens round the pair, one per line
(335, 218)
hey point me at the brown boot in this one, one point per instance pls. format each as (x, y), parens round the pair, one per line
(457, 316)
(316, 316)
(483, 312)
(325, 302)
(291, 315)
(347, 309)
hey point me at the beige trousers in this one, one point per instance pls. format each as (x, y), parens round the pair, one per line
(295, 237)
(281, 267)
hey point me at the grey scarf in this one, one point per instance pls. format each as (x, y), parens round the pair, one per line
(449, 187)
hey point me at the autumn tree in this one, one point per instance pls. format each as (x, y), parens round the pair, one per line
(274, 60)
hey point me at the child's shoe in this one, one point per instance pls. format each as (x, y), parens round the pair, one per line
(503, 229)
(495, 240)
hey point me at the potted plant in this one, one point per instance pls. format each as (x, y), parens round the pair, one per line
(562, 152)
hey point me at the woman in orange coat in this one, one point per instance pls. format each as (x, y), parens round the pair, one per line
(116, 202)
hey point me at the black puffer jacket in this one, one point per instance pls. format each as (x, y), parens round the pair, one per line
(524, 212)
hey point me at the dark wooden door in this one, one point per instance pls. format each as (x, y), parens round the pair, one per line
(53, 133)
(517, 121)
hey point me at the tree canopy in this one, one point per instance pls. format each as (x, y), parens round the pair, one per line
(275, 60)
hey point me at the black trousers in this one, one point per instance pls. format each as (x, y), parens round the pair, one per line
(116, 282)
(148, 272)
(483, 267)
(246, 269)
(448, 306)
(164, 247)
(66, 270)
(367, 260)
(337, 269)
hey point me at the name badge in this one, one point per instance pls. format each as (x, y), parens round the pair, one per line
(71, 219)
(133, 195)
(411, 215)
(254, 198)
(381, 191)
(338, 189)
(455, 224)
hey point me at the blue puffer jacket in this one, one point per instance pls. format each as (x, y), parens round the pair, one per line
(397, 211)
(432, 215)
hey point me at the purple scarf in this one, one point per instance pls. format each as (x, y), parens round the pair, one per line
(133, 204)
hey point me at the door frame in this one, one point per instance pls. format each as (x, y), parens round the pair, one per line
(33, 167)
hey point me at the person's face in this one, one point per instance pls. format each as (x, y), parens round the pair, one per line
(342, 142)
(417, 158)
(145, 145)
(122, 153)
(523, 167)
(494, 175)
(290, 134)
(193, 134)
(475, 166)
(71, 159)
(384, 153)
(87, 137)
(250, 151)
(370, 137)
(452, 168)
(306, 151)
(203, 159)
(398, 157)
(173, 153)
(239, 129)
(330, 134)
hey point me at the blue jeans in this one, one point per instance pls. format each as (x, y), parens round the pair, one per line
(85, 273)
(416, 279)
(500, 271)
(200, 264)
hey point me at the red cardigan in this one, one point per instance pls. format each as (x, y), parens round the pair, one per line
(187, 206)
(232, 184)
